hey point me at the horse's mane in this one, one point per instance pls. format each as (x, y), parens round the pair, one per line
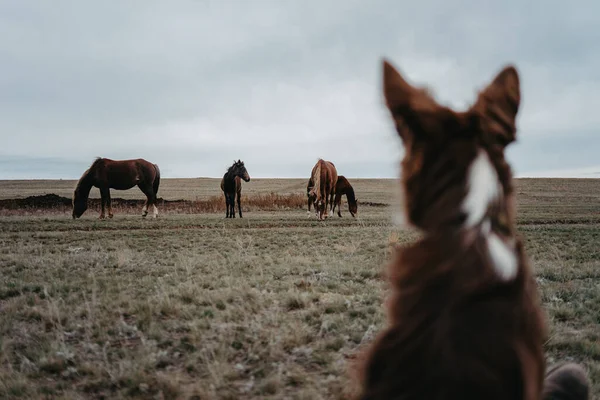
(83, 179)
(349, 192)
(233, 165)
(344, 187)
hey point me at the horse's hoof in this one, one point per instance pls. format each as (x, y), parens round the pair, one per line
(101, 217)
(110, 215)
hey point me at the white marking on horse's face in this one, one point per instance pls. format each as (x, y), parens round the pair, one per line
(503, 257)
(483, 187)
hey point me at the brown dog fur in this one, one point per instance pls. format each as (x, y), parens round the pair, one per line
(464, 317)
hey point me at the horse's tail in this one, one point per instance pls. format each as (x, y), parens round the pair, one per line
(156, 180)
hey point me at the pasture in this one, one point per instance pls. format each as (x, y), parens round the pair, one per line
(274, 305)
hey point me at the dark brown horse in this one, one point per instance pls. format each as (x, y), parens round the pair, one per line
(231, 185)
(106, 174)
(343, 187)
(321, 188)
(465, 320)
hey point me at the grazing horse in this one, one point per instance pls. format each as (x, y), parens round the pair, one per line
(231, 185)
(321, 187)
(106, 174)
(464, 316)
(343, 187)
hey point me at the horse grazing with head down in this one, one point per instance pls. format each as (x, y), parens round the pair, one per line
(106, 174)
(231, 185)
(343, 187)
(321, 187)
(464, 316)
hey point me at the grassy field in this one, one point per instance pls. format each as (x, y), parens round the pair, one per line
(274, 305)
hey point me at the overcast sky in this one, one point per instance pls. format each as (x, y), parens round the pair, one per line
(193, 85)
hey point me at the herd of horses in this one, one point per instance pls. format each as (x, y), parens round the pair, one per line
(465, 319)
(105, 174)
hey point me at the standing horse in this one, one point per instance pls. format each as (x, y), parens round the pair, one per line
(323, 178)
(106, 174)
(343, 187)
(231, 185)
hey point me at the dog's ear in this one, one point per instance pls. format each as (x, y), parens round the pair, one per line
(413, 109)
(497, 106)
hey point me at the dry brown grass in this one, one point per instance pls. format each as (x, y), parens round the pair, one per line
(275, 305)
(50, 204)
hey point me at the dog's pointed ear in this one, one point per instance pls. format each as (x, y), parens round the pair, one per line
(414, 111)
(498, 104)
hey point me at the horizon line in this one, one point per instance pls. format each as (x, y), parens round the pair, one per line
(291, 177)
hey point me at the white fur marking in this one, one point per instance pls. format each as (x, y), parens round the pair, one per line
(155, 210)
(483, 187)
(486, 227)
(503, 258)
(145, 209)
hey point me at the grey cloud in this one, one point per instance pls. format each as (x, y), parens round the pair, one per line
(193, 85)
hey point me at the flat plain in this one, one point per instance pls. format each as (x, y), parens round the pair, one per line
(274, 305)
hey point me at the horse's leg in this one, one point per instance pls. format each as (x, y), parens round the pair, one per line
(145, 208)
(154, 208)
(239, 201)
(103, 197)
(147, 202)
(153, 200)
(232, 202)
(337, 202)
(226, 205)
(317, 205)
(320, 211)
(148, 190)
(331, 203)
(108, 203)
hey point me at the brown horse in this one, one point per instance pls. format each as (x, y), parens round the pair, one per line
(465, 320)
(323, 179)
(231, 185)
(343, 187)
(107, 174)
